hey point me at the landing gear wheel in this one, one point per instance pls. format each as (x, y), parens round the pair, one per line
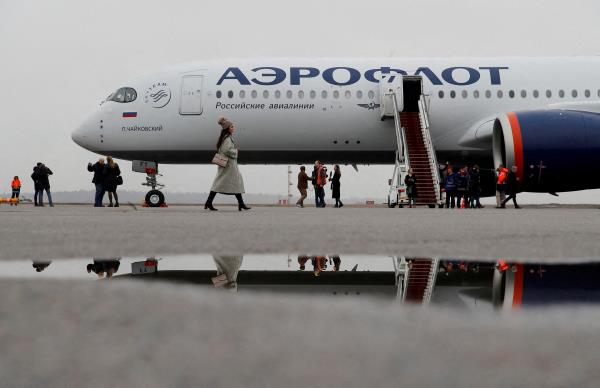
(155, 198)
(431, 206)
(391, 204)
(441, 206)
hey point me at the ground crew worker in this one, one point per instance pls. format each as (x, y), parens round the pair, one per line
(302, 186)
(501, 185)
(512, 187)
(16, 190)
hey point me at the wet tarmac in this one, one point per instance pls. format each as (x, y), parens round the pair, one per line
(122, 297)
(80, 231)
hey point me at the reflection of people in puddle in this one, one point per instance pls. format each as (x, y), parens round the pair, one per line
(302, 262)
(227, 271)
(39, 265)
(104, 267)
(337, 262)
(319, 264)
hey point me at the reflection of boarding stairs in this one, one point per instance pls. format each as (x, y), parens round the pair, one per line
(405, 102)
(416, 279)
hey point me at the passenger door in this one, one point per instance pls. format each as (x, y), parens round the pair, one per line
(190, 102)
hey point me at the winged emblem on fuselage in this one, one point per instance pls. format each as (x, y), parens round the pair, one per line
(370, 106)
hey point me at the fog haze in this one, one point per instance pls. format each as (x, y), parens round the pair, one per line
(60, 58)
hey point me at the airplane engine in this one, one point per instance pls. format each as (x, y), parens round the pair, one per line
(554, 150)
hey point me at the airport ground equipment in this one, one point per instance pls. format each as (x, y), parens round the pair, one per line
(9, 200)
(403, 99)
(154, 197)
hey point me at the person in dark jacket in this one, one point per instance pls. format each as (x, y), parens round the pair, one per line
(450, 187)
(474, 187)
(335, 185)
(319, 178)
(98, 180)
(302, 186)
(512, 187)
(36, 185)
(313, 180)
(462, 185)
(43, 174)
(410, 180)
(111, 180)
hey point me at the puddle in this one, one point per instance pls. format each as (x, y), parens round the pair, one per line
(437, 282)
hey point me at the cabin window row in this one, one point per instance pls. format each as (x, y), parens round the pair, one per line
(513, 93)
(312, 94)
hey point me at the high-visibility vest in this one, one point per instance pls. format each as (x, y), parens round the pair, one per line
(16, 184)
(502, 176)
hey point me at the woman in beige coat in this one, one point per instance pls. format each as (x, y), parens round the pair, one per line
(228, 180)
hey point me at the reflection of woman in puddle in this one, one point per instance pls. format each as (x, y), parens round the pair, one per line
(227, 271)
(104, 267)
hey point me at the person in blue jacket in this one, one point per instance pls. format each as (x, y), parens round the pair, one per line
(450, 187)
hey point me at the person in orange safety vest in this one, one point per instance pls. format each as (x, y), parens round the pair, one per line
(501, 185)
(16, 190)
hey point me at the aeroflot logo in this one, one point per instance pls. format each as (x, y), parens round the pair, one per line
(344, 76)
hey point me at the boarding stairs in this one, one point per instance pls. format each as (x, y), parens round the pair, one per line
(414, 146)
(415, 278)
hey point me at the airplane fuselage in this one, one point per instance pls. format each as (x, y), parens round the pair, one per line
(297, 110)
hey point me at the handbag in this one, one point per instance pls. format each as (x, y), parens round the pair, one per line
(220, 160)
(119, 180)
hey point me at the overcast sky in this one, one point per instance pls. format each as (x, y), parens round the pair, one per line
(59, 58)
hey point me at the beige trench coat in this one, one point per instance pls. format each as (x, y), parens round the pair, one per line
(228, 179)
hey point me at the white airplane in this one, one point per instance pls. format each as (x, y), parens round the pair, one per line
(540, 114)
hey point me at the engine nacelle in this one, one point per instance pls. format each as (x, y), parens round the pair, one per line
(554, 150)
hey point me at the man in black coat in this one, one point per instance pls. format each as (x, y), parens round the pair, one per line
(98, 180)
(475, 187)
(43, 181)
(512, 187)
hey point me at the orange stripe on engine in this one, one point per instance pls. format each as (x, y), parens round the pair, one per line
(518, 291)
(518, 142)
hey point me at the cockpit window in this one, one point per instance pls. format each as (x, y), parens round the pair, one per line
(130, 95)
(123, 95)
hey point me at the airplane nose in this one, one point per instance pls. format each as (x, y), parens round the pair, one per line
(78, 136)
(85, 133)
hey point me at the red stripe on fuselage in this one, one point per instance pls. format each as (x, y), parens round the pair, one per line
(518, 143)
(518, 291)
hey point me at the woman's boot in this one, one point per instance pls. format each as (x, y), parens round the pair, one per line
(241, 204)
(209, 200)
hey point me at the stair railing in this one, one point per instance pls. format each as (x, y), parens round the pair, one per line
(424, 116)
(400, 136)
(433, 271)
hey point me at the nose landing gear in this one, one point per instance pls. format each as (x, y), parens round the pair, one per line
(154, 197)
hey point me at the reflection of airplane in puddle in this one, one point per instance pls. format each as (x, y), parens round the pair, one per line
(441, 282)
